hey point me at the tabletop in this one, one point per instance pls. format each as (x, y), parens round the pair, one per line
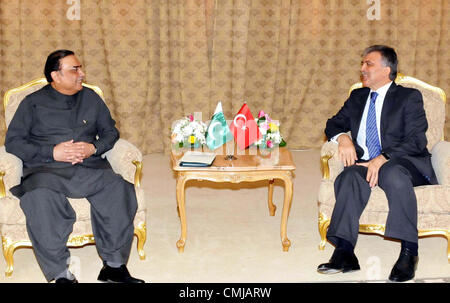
(252, 160)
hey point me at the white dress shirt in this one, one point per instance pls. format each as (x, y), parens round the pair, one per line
(361, 138)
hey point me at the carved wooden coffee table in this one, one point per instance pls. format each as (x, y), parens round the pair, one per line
(246, 168)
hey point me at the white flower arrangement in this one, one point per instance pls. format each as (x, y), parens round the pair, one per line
(270, 131)
(188, 131)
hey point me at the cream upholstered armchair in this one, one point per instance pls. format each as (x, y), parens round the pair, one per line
(433, 201)
(124, 158)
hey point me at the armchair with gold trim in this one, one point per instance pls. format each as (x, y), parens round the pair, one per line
(124, 158)
(433, 201)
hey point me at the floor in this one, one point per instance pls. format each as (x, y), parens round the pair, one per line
(232, 238)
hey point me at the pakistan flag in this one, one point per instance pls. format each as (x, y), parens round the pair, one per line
(218, 132)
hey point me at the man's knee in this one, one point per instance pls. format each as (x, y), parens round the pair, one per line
(393, 176)
(40, 191)
(120, 193)
(125, 186)
(350, 173)
(38, 197)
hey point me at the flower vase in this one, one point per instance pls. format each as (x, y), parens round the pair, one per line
(188, 145)
(197, 146)
(264, 151)
(177, 148)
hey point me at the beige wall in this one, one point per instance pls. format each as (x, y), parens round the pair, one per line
(159, 60)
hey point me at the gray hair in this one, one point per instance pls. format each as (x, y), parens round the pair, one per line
(388, 57)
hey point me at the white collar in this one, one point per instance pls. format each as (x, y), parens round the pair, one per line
(383, 90)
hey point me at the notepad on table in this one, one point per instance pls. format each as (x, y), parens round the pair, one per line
(197, 159)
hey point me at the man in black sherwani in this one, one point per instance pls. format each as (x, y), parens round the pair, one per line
(60, 133)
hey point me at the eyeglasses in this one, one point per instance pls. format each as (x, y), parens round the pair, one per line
(74, 69)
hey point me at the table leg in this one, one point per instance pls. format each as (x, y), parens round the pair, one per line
(181, 181)
(288, 191)
(272, 207)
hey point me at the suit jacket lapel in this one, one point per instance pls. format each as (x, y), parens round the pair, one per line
(389, 102)
(362, 105)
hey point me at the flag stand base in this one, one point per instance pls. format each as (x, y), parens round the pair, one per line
(230, 157)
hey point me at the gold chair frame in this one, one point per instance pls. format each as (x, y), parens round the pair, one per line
(379, 229)
(9, 245)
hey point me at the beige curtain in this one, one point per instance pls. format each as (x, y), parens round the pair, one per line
(157, 61)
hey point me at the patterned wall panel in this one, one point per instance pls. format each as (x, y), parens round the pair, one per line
(160, 60)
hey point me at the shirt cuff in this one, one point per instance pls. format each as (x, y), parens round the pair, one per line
(46, 152)
(334, 139)
(98, 148)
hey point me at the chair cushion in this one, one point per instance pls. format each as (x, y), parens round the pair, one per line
(16, 98)
(10, 211)
(435, 111)
(440, 159)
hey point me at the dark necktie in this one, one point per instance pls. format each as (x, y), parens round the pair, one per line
(372, 141)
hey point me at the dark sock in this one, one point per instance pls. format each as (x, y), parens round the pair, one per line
(411, 246)
(345, 245)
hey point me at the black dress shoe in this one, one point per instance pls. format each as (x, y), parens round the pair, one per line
(117, 275)
(341, 261)
(66, 281)
(405, 267)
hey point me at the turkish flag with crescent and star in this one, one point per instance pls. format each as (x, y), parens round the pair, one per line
(244, 128)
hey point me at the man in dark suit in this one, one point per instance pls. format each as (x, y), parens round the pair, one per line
(387, 148)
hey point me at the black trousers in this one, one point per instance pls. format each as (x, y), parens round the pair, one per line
(50, 218)
(397, 178)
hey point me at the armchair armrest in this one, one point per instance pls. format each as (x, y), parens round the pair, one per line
(10, 172)
(440, 159)
(126, 160)
(330, 164)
